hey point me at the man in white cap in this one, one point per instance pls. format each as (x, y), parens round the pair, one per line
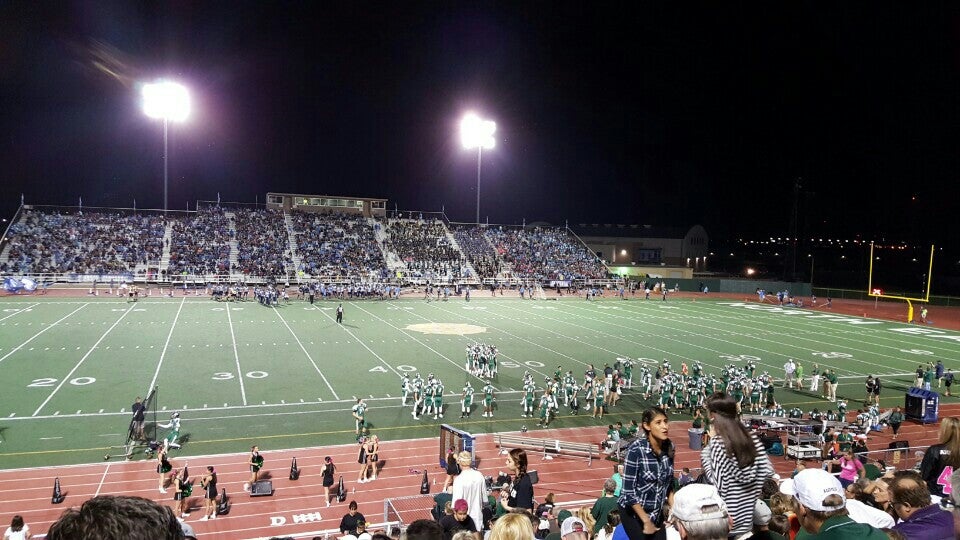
(573, 529)
(820, 506)
(470, 485)
(700, 514)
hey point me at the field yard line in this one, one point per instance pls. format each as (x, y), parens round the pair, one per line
(18, 347)
(242, 407)
(558, 353)
(163, 353)
(879, 333)
(19, 311)
(411, 336)
(360, 341)
(102, 479)
(76, 367)
(236, 356)
(704, 336)
(794, 336)
(304, 349)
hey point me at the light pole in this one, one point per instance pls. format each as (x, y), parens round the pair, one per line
(167, 101)
(477, 133)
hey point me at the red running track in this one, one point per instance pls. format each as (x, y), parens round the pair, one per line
(28, 491)
(297, 507)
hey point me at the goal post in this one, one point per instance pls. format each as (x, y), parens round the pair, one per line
(878, 292)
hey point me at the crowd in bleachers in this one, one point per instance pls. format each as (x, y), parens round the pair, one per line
(424, 247)
(541, 253)
(262, 242)
(327, 246)
(83, 242)
(478, 250)
(200, 244)
(337, 245)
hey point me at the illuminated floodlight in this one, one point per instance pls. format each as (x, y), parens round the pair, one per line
(751, 271)
(170, 102)
(477, 133)
(166, 100)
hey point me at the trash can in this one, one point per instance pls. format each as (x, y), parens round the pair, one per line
(696, 438)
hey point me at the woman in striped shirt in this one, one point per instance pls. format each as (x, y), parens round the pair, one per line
(734, 461)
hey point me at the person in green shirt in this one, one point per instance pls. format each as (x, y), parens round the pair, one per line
(603, 505)
(927, 377)
(798, 373)
(832, 377)
(820, 505)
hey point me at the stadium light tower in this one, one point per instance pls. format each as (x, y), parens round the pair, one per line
(477, 133)
(167, 101)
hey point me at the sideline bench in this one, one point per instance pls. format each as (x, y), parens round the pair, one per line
(547, 446)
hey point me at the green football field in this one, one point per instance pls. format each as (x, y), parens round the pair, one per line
(287, 376)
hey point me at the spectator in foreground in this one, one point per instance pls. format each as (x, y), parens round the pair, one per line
(519, 498)
(111, 517)
(945, 453)
(920, 519)
(761, 523)
(735, 461)
(864, 508)
(647, 477)
(700, 514)
(613, 521)
(460, 520)
(423, 529)
(820, 505)
(573, 529)
(348, 523)
(955, 511)
(514, 526)
(471, 486)
(17, 530)
(602, 507)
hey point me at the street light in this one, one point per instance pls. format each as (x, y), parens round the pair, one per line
(477, 133)
(167, 101)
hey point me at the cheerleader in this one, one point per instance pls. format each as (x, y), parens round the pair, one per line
(327, 473)
(163, 467)
(362, 460)
(182, 494)
(209, 485)
(256, 463)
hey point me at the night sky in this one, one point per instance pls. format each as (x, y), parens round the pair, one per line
(659, 113)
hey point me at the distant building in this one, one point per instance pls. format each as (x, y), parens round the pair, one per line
(327, 204)
(647, 246)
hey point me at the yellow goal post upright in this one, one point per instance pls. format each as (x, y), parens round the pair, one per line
(878, 293)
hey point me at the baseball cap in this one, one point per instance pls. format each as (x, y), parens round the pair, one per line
(811, 487)
(187, 529)
(460, 505)
(563, 515)
(572, 525)
(761, 514)
(698, 502)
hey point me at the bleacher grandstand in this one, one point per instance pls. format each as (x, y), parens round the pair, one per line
(240, 242)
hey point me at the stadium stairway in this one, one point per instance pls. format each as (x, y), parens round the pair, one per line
(297, 262)
(394, 263)
(463, 256)
(234, 248)
(165, 257)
